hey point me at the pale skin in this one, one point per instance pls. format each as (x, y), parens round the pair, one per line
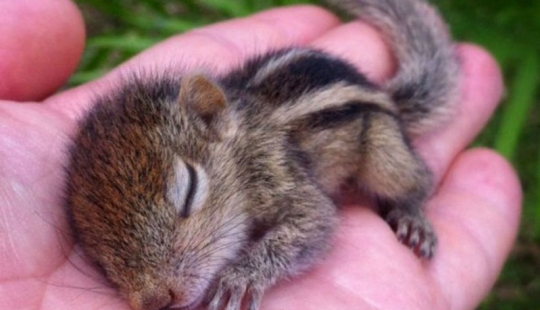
(475, 210)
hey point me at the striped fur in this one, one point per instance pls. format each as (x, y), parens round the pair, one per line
(200, 189)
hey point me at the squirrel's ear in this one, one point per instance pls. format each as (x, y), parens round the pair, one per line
(202, 95)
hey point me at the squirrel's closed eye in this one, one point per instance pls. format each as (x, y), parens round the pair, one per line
(187, 188)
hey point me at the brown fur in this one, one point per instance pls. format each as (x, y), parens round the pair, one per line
(211, 189)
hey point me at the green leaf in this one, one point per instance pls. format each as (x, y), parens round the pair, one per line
(522, 97)
(83, 77)
(229, 7)
(127, 43)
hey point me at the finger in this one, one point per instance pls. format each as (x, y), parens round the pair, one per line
(361, 45)
(476, 217)
(227, 44)
(481, 91)
(476, 214)
(42, 42)
(215, 48)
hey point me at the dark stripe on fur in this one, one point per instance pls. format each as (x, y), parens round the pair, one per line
(337, 116)
(309, 72)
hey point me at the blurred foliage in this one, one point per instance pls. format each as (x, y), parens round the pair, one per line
(508, 29)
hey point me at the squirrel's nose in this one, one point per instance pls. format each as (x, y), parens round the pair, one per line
(171, 301)
(155, 299)
(161, 299)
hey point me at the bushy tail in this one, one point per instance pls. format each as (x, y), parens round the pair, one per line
(426, 81)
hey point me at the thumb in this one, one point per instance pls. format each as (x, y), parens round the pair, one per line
(42, 42)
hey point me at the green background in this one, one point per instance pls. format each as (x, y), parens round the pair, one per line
(509, 29)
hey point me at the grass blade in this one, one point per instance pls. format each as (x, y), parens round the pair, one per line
(519, 103)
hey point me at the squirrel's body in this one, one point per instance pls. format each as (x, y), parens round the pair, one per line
(203, 188)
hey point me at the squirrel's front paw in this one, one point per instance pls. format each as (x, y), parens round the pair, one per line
(414, 231)
(235, 286)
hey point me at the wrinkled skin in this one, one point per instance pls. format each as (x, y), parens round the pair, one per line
(475, 211)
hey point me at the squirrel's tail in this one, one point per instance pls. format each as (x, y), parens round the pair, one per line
(425, 84)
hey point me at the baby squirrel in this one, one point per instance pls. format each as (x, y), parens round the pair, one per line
(208, 190)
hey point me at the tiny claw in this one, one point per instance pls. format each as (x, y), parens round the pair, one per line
(235, 300)
(414, 239)
(427, 249)
(253, 298)
(425, 253)
(216, 301)
(402, 232)
(414, 231)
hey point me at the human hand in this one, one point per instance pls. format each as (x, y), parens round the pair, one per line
(475, 210)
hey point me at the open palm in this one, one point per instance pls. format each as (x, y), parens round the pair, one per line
(475, 210)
